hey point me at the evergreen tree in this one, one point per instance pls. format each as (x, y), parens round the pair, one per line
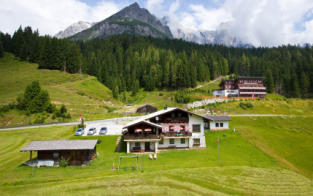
(23, 54)
(305, 85)
(269, 81)
(294, 86)
(135, 88)
(1, 50)
(73, 62)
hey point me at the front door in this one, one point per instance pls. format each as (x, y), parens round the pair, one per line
(147, 146)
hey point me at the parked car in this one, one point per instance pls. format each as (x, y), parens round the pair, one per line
(92, 131)
(79, 132)
(103, 131)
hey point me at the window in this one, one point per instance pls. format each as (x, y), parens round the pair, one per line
(172, 141)
(182, 140)
(137, 144)
(171, 127)
(161, 141)
(206, 125)
(196, 128)
(221, 125)
(216, 125)
(179, 115)
(173, 115)
(196, 141)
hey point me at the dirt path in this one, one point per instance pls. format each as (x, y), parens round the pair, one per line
(217, 79)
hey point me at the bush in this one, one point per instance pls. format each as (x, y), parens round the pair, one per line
(243, 106)
(160, 94)
(63, 109)
(246, 105)
(68, 115)
(64, 162)
(81, 93)
(81, 126)
(39, 120)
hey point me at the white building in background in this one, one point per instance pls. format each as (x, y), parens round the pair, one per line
(171, 128)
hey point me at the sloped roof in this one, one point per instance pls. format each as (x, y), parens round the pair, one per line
(147, 122)
(146, 105)
(158, 113)
(218, 118)
(60, 145)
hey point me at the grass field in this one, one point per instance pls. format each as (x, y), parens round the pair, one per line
(286, 139)
(258, 159)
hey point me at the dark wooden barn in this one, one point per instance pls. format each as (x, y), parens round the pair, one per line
(49, 153)
(146, 109)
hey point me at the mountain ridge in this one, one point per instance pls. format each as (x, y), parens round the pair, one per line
(130, 20)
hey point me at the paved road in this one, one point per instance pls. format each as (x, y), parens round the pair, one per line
(102, 122)
(73, 123)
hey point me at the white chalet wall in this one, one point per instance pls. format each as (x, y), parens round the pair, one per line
(195, 120)
(177, 143)
(213, 126)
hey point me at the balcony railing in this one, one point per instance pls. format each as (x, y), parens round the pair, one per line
(140, 136)
(176, 120)
(177, 134)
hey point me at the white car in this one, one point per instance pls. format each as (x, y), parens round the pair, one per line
(92, 131)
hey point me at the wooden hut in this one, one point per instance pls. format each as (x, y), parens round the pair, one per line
(49, 153)
(146, 109)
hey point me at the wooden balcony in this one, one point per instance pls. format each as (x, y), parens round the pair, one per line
(176, 120)
(177, 134)
(141, 137)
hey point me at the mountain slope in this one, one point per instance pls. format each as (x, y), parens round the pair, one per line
(74, 28)
(130, 20)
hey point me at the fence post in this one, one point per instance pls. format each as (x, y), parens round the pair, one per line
(163, 165)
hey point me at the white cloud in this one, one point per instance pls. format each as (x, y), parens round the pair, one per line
(261, 23)
(51, 16)
(154, 6)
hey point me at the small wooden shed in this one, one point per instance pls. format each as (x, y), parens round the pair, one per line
(146, 109)
(49, 153)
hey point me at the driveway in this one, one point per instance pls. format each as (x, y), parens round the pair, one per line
(112, 128)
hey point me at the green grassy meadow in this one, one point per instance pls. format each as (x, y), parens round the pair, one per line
(265, 156)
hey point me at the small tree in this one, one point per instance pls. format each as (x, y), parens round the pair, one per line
(63, 109)
(64, 162)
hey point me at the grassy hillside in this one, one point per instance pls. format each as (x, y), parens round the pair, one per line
(80, 93)
(286, 139)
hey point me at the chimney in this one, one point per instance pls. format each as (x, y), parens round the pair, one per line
(165, 107)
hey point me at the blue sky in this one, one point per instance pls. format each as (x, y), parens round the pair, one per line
(259, 22)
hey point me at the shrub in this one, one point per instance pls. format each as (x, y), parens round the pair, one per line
(27, 112)
(243, 105)
(63, 109)
(39, 120)
(246, 105)
(249, 105)
(160, 94)
(64, 162)
(111, 109)
(81, 93)
(68, 115)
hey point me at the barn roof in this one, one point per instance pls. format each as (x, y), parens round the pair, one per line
(146, 105)
(61, 145)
